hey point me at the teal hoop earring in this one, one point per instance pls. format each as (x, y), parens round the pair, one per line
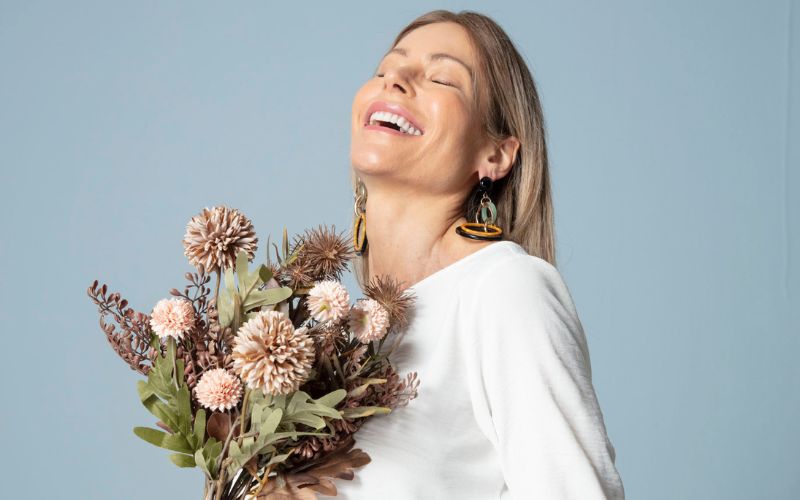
(483, 228)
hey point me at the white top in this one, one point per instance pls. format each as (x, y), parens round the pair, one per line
(505, 407)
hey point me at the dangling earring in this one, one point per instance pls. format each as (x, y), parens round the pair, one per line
(360, 226)
(485, 230)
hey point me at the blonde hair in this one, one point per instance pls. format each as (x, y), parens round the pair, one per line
(508, 104)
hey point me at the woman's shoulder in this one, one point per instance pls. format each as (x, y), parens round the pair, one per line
(511, 270)
(516, 289)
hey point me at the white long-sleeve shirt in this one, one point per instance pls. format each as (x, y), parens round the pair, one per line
(505, 407)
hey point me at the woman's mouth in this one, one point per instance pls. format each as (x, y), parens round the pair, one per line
(391, 118)
(390, 122)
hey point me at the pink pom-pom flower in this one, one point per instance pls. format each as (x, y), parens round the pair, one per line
(369, 320)
(218, 389)
(328, 300)
(172, 317)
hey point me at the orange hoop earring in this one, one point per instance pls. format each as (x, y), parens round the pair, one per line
(360, 225)
(483, 228)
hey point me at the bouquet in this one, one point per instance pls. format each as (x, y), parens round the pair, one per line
(264, 384)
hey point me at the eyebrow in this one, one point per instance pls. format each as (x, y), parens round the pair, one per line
(436, 56)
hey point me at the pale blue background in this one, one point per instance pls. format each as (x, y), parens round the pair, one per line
(675, 149)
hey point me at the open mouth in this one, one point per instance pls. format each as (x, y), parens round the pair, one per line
(391, 122)
(390, 125)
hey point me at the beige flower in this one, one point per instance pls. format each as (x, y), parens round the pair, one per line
(215, 236)
(328, 301)
(172, 317)
(270, 354)
(369, 320)
(218, 389)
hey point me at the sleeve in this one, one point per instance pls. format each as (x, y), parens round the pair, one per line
(532, 389)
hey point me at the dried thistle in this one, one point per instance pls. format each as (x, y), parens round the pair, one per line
(297, 274)
(397, 301)
(326, 251)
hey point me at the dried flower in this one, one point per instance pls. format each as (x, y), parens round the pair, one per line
(328, 301)
(172, 317)
(270, 354)
(326, 252)
(369, 320)
(297, 274)
(215, 236)
(398, 302)
(218, 389)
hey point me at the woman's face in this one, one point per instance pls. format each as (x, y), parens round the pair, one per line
(422, 80)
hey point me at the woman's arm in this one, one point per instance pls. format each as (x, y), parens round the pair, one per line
(533, 392)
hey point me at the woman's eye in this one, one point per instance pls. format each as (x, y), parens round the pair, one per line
(443, 82)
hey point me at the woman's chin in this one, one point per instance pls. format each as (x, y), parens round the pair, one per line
(378, 160)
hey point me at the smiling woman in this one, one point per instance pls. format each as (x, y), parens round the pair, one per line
(448, 156)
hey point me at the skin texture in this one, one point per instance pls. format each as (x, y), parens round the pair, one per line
(417, 185)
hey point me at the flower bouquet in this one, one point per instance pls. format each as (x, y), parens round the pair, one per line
(263, 384)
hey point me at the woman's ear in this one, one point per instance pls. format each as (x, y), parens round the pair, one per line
(499, 158)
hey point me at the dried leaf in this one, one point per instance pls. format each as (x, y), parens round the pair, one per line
(338, 464)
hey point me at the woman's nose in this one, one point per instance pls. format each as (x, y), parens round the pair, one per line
(398, 79)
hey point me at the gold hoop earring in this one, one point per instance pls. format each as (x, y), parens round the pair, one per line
(360, 225)
(483, 228)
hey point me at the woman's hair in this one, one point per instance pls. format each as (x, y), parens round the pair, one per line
(508, 104)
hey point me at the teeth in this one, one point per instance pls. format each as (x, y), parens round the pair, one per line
(385, 116)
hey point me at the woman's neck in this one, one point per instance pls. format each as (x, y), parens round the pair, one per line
(411, 236)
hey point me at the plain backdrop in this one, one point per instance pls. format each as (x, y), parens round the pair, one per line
(673, 134)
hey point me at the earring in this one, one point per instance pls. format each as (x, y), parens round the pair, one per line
(360, 225)
(484, 229)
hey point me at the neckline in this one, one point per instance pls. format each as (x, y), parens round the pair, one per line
(455, 264)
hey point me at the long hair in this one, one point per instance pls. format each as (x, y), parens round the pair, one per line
(508, 104)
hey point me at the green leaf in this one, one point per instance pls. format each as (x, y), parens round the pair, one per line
(155, 405)
(308, 419)
(200, 460)
(278, 459)
(225, 307)
(285, 243)
(152, 436)
(332, 398)
(247, 281)
(241, 266)
(237, 313)
(358, 391)
(270, 296)
(293, 435)
(200, 425)
(229, 281)
(182, 460)
(271, 422)
(264, 273)
(364, 411)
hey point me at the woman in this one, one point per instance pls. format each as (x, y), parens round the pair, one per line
(505, 405)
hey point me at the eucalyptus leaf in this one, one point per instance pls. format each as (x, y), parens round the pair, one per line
(200, 425)
(182, 460)
(225, 307)
(332, 398)
(267, 297)
(264, 273)
(229, 281)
